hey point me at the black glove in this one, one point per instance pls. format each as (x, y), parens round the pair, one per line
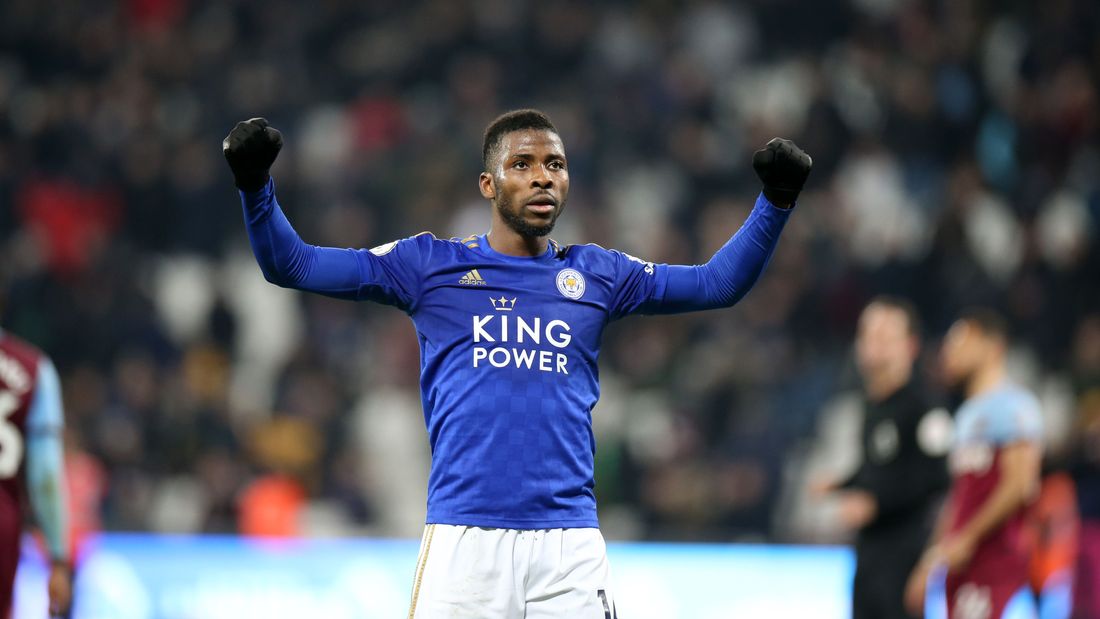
(251, 148)
(783, 169)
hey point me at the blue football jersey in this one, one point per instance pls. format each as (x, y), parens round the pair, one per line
(509, 348)
(508, 370)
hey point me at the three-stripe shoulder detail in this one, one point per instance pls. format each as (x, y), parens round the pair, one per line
(471, 241)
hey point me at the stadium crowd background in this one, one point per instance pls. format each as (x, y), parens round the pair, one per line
(956, 163)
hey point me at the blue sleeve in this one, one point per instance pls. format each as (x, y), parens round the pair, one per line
(1014, 416)
(45, 462)
(637, 284)
(729, 274)
(387, 274)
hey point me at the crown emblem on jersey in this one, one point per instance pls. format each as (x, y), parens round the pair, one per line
(472, 278)
(502, 304)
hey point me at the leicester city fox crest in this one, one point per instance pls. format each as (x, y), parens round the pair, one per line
(570, 283)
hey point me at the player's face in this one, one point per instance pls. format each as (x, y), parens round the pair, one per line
(883, 341)
(530, 182)
(962, 352)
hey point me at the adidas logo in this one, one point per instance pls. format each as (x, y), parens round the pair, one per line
(473, 278)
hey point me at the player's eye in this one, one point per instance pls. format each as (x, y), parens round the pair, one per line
(521, 164)
(557, 165)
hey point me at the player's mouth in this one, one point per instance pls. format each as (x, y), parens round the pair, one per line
(542, 205)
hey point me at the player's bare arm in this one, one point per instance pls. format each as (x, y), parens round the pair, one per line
(916, 586)
(46, 484)
(1019, 482)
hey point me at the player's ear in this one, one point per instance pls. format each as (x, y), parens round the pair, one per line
(487, 185)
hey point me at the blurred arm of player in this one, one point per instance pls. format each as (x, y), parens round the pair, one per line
(783, 169)
(917, 586)
(1020, 466)
(855, 506)
(46, 482)
(1019, 483)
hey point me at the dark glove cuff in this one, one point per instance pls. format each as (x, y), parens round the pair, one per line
(251, 181)
(780, 197)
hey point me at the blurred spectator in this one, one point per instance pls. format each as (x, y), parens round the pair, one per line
(1056, 532)
(271, 507)
(1086, 473)
(1085, 463)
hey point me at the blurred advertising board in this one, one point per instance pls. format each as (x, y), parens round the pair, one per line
(138, 576)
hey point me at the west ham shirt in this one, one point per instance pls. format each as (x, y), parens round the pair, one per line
(985, 425)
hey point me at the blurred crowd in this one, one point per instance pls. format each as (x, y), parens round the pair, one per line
(956, 163)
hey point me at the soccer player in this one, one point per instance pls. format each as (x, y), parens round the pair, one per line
(31, 464)
(892, 497)
(509, 324)
(981, 539)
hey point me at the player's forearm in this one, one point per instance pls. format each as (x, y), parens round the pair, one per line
(1009, 495)
(286, 260)
(46, 487)
(1019, 478)
(733, 269)
(943, 522)
(931, 555)
(282, 255)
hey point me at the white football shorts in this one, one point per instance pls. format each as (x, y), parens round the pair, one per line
(486, 573)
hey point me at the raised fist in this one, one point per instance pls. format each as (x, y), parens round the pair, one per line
(783, 168)
(250, 148)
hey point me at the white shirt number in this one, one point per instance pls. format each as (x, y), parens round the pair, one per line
(11, 441)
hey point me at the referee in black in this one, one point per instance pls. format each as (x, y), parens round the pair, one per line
(892, 498)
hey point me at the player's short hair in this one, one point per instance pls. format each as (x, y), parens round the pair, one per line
(516, 120)
(991, 323)
(906, 307)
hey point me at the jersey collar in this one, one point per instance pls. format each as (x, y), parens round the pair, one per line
(483, 246)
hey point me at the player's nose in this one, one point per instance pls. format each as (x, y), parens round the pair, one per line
(541, 179)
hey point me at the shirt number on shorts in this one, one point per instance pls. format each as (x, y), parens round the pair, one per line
(11, 442)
